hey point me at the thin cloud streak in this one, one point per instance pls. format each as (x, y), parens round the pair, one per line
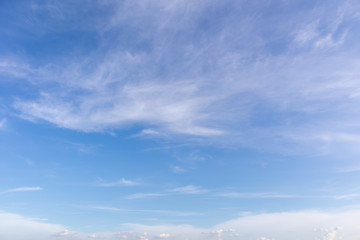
(256, 195)
(186, 190)
(166, 212)
(264, 195)
(23, 189)
(189, 189)
(145, 195)
(2, 123)
(122, 182)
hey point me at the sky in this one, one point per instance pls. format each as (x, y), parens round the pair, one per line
(178, 119)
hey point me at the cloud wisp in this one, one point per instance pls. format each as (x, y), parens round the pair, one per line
(189, 189)
(185, 190)
(150, 211)
(2, 123)
(258, 195)
(145, 195)
(23, 189)
(121, 182)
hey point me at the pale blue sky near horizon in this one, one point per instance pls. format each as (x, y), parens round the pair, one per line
(181, 119)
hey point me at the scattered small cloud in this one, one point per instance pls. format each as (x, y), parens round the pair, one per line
(177, 169)
(121, 182)
(219, 233)
(328, 233)
(164, 236)
(189, 189)
(64, 233)
(149, 132)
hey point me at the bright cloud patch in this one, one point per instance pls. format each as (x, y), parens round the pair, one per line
(16, 227)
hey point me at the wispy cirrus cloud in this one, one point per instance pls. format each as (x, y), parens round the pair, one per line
(189, 189)
(145, 195)
(217, 85)
(121, 182)
(2, 123)
(185, 190)
(23, 189)
(256, 195)
(178, 169)
(265, 195)
(157, 211)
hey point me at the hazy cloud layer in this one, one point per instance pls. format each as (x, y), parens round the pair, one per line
(279, 226)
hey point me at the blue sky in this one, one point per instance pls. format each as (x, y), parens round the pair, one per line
(179, 119)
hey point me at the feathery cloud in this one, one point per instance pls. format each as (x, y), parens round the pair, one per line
(23, 189)
(121, 182)
(189, 189)
(144, 195)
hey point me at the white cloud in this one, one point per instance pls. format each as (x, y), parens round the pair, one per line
(323, 32)
(347, 196)
(189, 189)
(219, 233)
(174, 107)
(121, 182)
(280, 226)
(298, 225)
(23, 189)
(255, 195)
(264, 195)
(13, 68)
(149, 132)
(164, 236)
(64, 233)
(307, 33)
(105, 208)
(150, 211)
(16, 227)
(145, 195)
(2, 122)
(329, 233)
(177, 169)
